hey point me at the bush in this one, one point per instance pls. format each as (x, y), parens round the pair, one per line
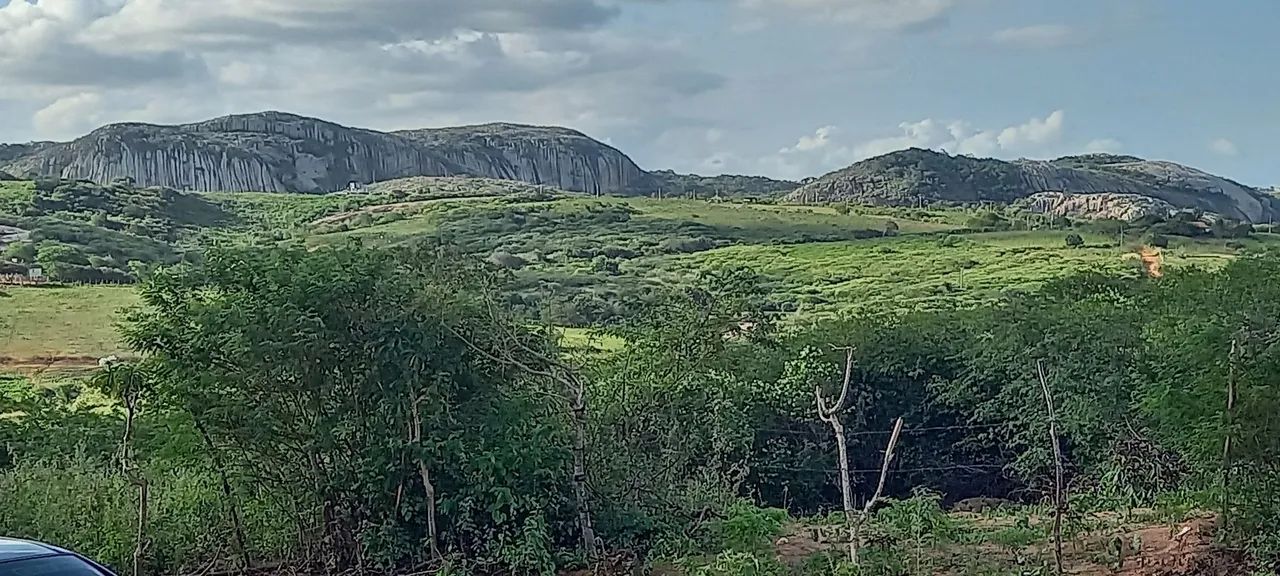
(1074, 240)
(92, 509)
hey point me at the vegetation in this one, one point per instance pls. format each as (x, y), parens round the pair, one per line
(383, 410)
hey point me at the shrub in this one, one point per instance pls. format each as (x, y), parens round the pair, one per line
(1074, 240)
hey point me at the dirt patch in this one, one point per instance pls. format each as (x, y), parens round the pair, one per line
(38, 365)
(1126, 549)
(1152, 261)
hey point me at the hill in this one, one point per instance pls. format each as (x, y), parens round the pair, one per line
(674, 185)
(913, 176)
(279, 152)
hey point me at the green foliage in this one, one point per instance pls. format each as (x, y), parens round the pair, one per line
(343, 350)
(732, 563)
(90, 507)
(747, 528)
(1074, 240)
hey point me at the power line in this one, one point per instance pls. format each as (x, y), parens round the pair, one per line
(883, 432)
(972, 467)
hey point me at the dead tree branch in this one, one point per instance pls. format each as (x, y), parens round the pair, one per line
(1059, 496)
(884, 475)
(831, 415)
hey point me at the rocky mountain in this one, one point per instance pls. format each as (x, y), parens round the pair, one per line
(553, 156)
(279, 152)
(7, 177)
(1099, 206)
(910, 176)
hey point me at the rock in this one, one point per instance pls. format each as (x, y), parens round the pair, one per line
(553, 156)
(1099, 206)
(278, 152)
(914, 176)
(7, 177)
(10, 234)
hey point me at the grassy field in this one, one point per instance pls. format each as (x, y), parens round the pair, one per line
(929, 272)
(576, 259)
(74, 321)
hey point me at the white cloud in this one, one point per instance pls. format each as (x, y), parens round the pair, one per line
(1038, 36)
(891, 15)
(959, 138)
(70, 115)
(1223, 147)
(823, 150)
(820, 139)
(378, 63)
(1103, 145)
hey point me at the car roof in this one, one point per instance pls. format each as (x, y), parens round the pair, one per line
(14, 549)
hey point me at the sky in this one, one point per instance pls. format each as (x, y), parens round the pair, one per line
(782, 88)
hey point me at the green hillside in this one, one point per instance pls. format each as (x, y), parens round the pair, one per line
(573, 260)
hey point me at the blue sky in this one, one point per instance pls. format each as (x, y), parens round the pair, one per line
(787, 88)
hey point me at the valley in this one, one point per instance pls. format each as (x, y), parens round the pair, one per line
(505, 349)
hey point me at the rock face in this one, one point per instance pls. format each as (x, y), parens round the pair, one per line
(558, 157)
(910, 176)
(278, 152)
(7, 177)
(1099, 206)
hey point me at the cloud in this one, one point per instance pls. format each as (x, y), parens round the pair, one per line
(70, 115)
(959, 137)
(820, 139)
(889, 15)
(824, 150)
(378, 63)
(173, 24)
(1223, 147)
(1038, 36)
(1101, 145)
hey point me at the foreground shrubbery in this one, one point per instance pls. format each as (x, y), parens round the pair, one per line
(347, 397)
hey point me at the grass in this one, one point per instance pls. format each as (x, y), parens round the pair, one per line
(927, 273)
(75, 321)
(578, 260)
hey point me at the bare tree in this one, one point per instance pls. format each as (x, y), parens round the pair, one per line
(1059, 495)
(884, 475)
(830, 413)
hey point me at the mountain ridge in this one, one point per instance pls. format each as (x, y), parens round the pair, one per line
(276, 151)
(282, 152)
(917, 175)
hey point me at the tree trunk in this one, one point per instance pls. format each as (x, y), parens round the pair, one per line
(228, 496)
(846, 488)
(433, 537)
(1059, 497)
(1226, 441)
(139, 549)
(579, 415)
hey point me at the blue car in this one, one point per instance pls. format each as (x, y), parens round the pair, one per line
(26, 558)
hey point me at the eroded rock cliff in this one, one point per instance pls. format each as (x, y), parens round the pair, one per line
(277, 152)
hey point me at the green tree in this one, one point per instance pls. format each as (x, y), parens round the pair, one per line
(344, 381)
(1211, 389)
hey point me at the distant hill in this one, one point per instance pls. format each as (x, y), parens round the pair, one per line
(915, 175)
(673, 184)
(279, 152)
